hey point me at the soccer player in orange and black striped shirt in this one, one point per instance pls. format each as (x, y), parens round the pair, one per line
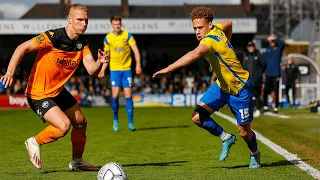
(59, 54)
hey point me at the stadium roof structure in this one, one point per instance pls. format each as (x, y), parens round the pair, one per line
(58, 11)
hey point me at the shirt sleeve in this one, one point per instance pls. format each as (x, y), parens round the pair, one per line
(131, 39)
(209, 42)
(42, 41)
(86, 50)
(106, 46)
(218, 26)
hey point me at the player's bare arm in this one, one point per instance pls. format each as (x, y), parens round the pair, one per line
(185, 60)
(137, 57)
(94, 67)
(227, 28)
(17, 56)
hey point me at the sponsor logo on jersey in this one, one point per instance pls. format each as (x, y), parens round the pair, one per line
(68, 63)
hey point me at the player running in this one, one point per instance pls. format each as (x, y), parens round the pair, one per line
(233, 84)
(119, 43)
(59, 54)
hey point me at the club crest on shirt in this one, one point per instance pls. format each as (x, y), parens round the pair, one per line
(79, 45)
(40, 39)
(124, 39)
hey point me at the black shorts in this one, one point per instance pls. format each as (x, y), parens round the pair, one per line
(64, 100)
(272, 84)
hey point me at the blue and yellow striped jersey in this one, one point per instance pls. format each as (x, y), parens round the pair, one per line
(118, 46)
(231, 77)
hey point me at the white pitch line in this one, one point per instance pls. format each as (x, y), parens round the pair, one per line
(276, 115)
(293, 158)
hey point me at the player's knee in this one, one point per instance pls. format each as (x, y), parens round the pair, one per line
(199, 115)
(243, 133)
(196, 118)
(64, 126)
(81, 122)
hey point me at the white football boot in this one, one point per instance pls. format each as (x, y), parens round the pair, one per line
(79, 164)
(34, 152)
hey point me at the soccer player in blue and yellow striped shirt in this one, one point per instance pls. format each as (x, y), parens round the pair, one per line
(232, 87)
(119, 43)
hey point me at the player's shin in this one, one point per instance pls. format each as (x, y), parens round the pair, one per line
(115, 108)
(210, 125)
(49, 134)
(78, 138)
(129, 109)
(252, 143)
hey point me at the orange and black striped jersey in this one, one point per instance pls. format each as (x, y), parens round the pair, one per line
(57, 59)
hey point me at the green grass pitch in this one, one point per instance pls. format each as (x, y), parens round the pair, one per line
(166, 145)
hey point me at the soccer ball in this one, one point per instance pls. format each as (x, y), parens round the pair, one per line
(112, 171)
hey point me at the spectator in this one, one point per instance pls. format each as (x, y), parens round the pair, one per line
(273, 72)
(17, 87)
(254, 62)
(137, 82)
(195, 87)
(2, 89)
(293, 77)
(170, 89)
(147, 89)
(74, 91)
(163, 84)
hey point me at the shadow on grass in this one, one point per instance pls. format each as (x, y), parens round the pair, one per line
(44, 171)
(162, 127)
(273, 164)
(173, 163)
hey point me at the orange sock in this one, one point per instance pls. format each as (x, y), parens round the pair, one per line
(78, 138)
(48, 135)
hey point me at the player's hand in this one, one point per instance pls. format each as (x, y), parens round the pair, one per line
(138, 69)
(101, 74)
(103, 56)
(161, 72)
(7, 80)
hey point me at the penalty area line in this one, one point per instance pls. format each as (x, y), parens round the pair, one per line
(293, 158)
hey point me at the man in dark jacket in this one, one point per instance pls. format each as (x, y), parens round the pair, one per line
(254, 62)
(273, 71)
(293, 77)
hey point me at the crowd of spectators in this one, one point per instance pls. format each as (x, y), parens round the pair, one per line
(84, 85)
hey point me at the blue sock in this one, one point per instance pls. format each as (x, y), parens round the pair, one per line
(115, 108)
(252, 143)
(129, 109)
(210, 125)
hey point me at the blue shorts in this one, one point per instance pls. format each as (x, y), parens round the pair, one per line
(121, 78)
(241, 104)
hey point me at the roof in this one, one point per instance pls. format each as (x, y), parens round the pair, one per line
(55, 11)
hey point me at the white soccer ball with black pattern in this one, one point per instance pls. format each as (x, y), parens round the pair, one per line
(112, 171)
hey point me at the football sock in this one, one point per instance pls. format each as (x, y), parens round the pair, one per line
(48, 135)
(210, 125)
(224, 136)
(252, 144)
(115, 108)
(129, 109)
(78, 139)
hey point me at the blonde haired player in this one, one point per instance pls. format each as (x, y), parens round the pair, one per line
(232, 87)
(120, 43)
(59, 54)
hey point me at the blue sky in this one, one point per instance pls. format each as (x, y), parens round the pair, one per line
(13, 9)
